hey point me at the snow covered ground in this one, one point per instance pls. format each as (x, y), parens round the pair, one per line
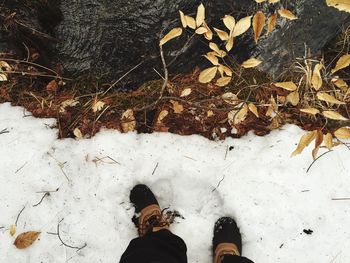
(270, 194)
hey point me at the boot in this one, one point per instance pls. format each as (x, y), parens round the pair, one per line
(227, 239)
(149, 217)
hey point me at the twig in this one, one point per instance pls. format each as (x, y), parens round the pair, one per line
(20, 168)
(113, 160)
(226, 152)
(155, 168)
(308, 169)
(20, 212)
(61, 165)
(36, 75)
(4, 131)
(222, 179)
(63, 243)
(341, 199)
(46, 194)
(53, 191)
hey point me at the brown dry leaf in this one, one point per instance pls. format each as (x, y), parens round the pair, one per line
(341, 84)
(328, 141)
(208, 75)
(342, 5)
(229, 22)
(209, 34)
(251, 63)
(343, 62)
(3, 77)
(312, 111)
(128, 121)
(26, 239)
(222, 34)
(305, 140)
(175, 32)
(334, 115)
(342, 133)
(52, 86)
(183, 19)
(200, 15)
(98, 105)
(212, 58)
(270, 112)
(177, 107)
(4, 66)
(293, 98)
(287, 14)
(12, 230)
(272, 22)
(210, 113)
(329, 98)
(191, 22)
(242, 26)
(224, 81)
(162, 116)
(316, 80)
(77, 133)
(201, 30)
(253, 109)
(258, 25)
(229, 44)
(241, 115)
(287, 85)
(185, 92)
(230, 98)
(318, 142)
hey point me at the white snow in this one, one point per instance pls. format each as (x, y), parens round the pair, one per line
(270, 194)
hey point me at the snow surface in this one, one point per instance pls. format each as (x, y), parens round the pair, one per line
(270, 194)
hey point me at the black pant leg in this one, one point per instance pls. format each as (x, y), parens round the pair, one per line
(235, 259)
(157, 247)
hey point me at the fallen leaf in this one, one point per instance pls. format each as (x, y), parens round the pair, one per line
(98, 105)
(3, 77)
(271, 23)
(328, 141)
(287, 85)
(200, 15)
(222, 34)
(251, 63)
(229, 22)
(287, 14)
(185, 92)
(318, 142)
(342, 133)
(77, 133)
(128, 121)
(224, 81)
(26, 239)
(4, 66)
(12, 230)
(253, 109)
(258, 25)
(68, 103)
(334, 115)
(210, 113)
(177, 107)
(342, 5)
(316, 80)
(183, 19)
(241, 115)
(191, 22)
(175, 32)
(52, 86)
(208, 75)
(343, 62)
(341, 84)
(293, 98)
(230, 98)
(242, 26)
(329, 98)
(305, 140)
(312, 111)
(162, 116)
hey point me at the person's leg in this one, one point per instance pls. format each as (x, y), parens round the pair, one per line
(155, 244)
(227, 242)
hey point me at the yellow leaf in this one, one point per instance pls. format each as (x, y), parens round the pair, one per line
(318, 142)
(177, 107)
(316, 79)
(98, 105)
(26, 239)
(183, 19)
(334, 115)
(273, 1)
(258, 25)
(251, 63)
(77, 133)
(222, 34)
(210, 113)
(342, 5)
(242, 26)
(341, 84)
(200, 15)
(12, 230)
(253, 109)
(287, 14)
(312, 111)
(328, 98)
(225, 70)
(343, 62)
(162, 116)
(220, 53)
(305, 140)
(287, 85)
(241, 115)
(128, 121)
(221, 82)
(272, 22)
(209, 34)
(191, 22)
(293, 98)
(260, 1)
(328, 141)
(208, 75)
(229, 44)
(212, 58)
(4, 66)
(342, 133)
(230, 98)
(186, 92)
(229, 22)
(3, 77)
(201, 30)
(175, 32)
